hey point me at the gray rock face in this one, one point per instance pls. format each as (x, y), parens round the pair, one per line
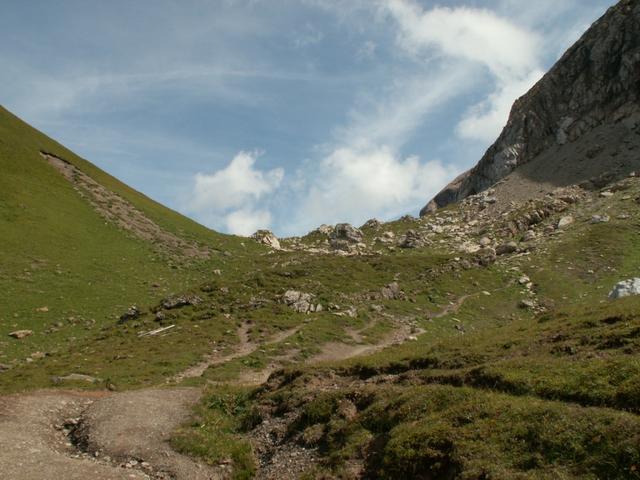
(596, 82)
(626, 288)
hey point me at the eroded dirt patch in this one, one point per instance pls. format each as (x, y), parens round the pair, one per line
(120, 212)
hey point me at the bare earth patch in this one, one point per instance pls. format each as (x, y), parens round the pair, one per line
(117, 210)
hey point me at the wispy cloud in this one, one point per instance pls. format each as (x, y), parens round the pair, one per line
(369, 105)
(509, 52)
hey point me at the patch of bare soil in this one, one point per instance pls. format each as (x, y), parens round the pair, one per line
(117, 210)
(97, 435)
(135, 428)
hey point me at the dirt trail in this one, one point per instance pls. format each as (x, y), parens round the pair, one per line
(245, 347)
(334, 351)
(125, 435)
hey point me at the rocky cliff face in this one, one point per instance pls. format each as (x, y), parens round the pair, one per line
(595, 83)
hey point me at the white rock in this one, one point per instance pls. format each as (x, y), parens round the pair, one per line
(626, 288)
(565, 221)
(266, 237)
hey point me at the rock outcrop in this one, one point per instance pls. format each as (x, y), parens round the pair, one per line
(345, 236)
(266, 237)
(626, 288)
(595, 83)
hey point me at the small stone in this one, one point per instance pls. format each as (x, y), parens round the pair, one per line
(485, 241)
(600, 219)
(266, 237)
(299, 301)
(132, 312)
(523, 280)
(528, 304)
(528, 236)
(565, 221)
(392, 292)
(411, 239)
(20, 334)
(506, 248)
(606, 194)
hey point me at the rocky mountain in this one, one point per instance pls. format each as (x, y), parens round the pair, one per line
(578, 123)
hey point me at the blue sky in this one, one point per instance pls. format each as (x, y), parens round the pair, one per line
(280, 114)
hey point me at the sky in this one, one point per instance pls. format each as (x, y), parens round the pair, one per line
(280, 114)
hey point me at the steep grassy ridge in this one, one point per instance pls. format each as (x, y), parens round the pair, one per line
(63, 268)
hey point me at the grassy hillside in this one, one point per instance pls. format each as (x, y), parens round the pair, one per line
(57, 252)
(443, 360)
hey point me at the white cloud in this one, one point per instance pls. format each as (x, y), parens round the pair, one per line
(473, 34)
(390, 118)
(485, 120)
(234, 185)
(229, 196)
(509, 52)
(352, 185)
(246, 221)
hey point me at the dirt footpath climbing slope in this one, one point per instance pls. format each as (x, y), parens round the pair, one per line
(137, 425)
(121, 436)
(31, 448)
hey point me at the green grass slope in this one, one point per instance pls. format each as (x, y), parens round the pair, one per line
(57, 252)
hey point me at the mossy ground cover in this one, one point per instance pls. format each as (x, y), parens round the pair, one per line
(65, 272)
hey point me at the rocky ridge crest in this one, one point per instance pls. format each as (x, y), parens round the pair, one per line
(595, 83)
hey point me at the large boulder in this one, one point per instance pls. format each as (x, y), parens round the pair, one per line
(411, 239)
(626, 288)
(300, 302)
(266, 237)
(392, 292)
(345, 236)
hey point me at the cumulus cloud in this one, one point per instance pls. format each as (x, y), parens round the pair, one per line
(352, 184)
(230, 195)
(509, 52)
(246, 221)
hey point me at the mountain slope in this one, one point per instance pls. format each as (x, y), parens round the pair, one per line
(67, 263)
(559, 126)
